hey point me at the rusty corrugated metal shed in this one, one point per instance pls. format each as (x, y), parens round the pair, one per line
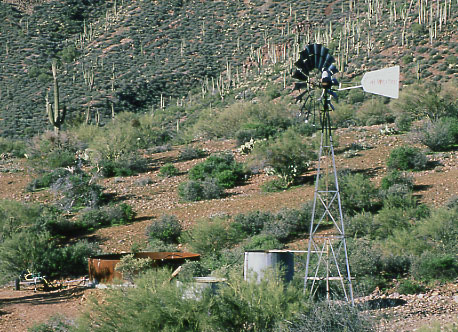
(102, 267)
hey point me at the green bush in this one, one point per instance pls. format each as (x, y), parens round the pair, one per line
(167, 229)
(47, 179)
(267, 118)
(252, 223)
(50, 150)
(236, 306)
(274, 185)
(409, 287)
(127, 165)
(435, 266)
(190, 153)
(396, 177)
(78, 191)
(200, 190)
(221, 167)
(263, 242)
(406, 158)
(357, 193)
(289, 155)
(168, 170)
(131, 267)
(360, 225)
(328, 316)
(15, 148)
(40, 252)
(289, 223)
(373, 112)
(93, 219)
(57, 323)
(210, 236)
(439, 135)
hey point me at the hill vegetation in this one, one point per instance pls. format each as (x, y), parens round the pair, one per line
(133, 79)
(137, 56)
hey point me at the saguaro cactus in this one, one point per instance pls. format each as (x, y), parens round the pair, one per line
(56, 116)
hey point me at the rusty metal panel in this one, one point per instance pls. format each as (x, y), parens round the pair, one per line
(102, 267)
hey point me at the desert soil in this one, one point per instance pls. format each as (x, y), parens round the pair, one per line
(151, 196)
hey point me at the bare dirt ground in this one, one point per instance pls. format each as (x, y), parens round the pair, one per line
(152, 196)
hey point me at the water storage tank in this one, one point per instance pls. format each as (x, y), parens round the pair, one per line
(257, 262)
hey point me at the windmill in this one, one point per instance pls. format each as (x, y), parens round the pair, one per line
(327, 256)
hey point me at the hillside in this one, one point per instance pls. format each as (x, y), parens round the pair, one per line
(152, 196)
(140, 55)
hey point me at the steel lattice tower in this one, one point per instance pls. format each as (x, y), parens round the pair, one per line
(327, 258)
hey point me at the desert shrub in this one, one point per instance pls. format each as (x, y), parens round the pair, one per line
(288, 223)
(190, 153)
(40, 252)
(252, 223)
(357, 193)
(403, 121)
(210, 236)
(419, 101)
(395, 266)
(13, 147)
(167, 229)
(406, 59)
(51, 150)
(365, 258)
(200, 190)
(126, 165)
(263, 242)
(360, 225)
(274, 185)
(130, 266)
(439, 231)
(409, 287)
(439, 135)
(15, 216)
(234, 307)
(77, 190)
(343, 116)
(406, 158)
(255, 130)
(289, 155)
(396, 177)
(373, 112)
(435, 266)
(166, 307)
(387, 220)
(93, 219)
(452, 202)
(226, 122)
(221, 167)
(47, 179)
(327, 316)
(168, 170)
(57, 323)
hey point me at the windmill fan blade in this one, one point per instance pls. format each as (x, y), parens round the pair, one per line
(299, 75)
(300, 86)
(303, 66)
(328, 61)
(304, 54)
(323, 54)
(333, 69)
(317, 48)
(311, 49)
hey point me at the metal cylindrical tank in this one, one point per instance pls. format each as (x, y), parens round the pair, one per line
(257, 262)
